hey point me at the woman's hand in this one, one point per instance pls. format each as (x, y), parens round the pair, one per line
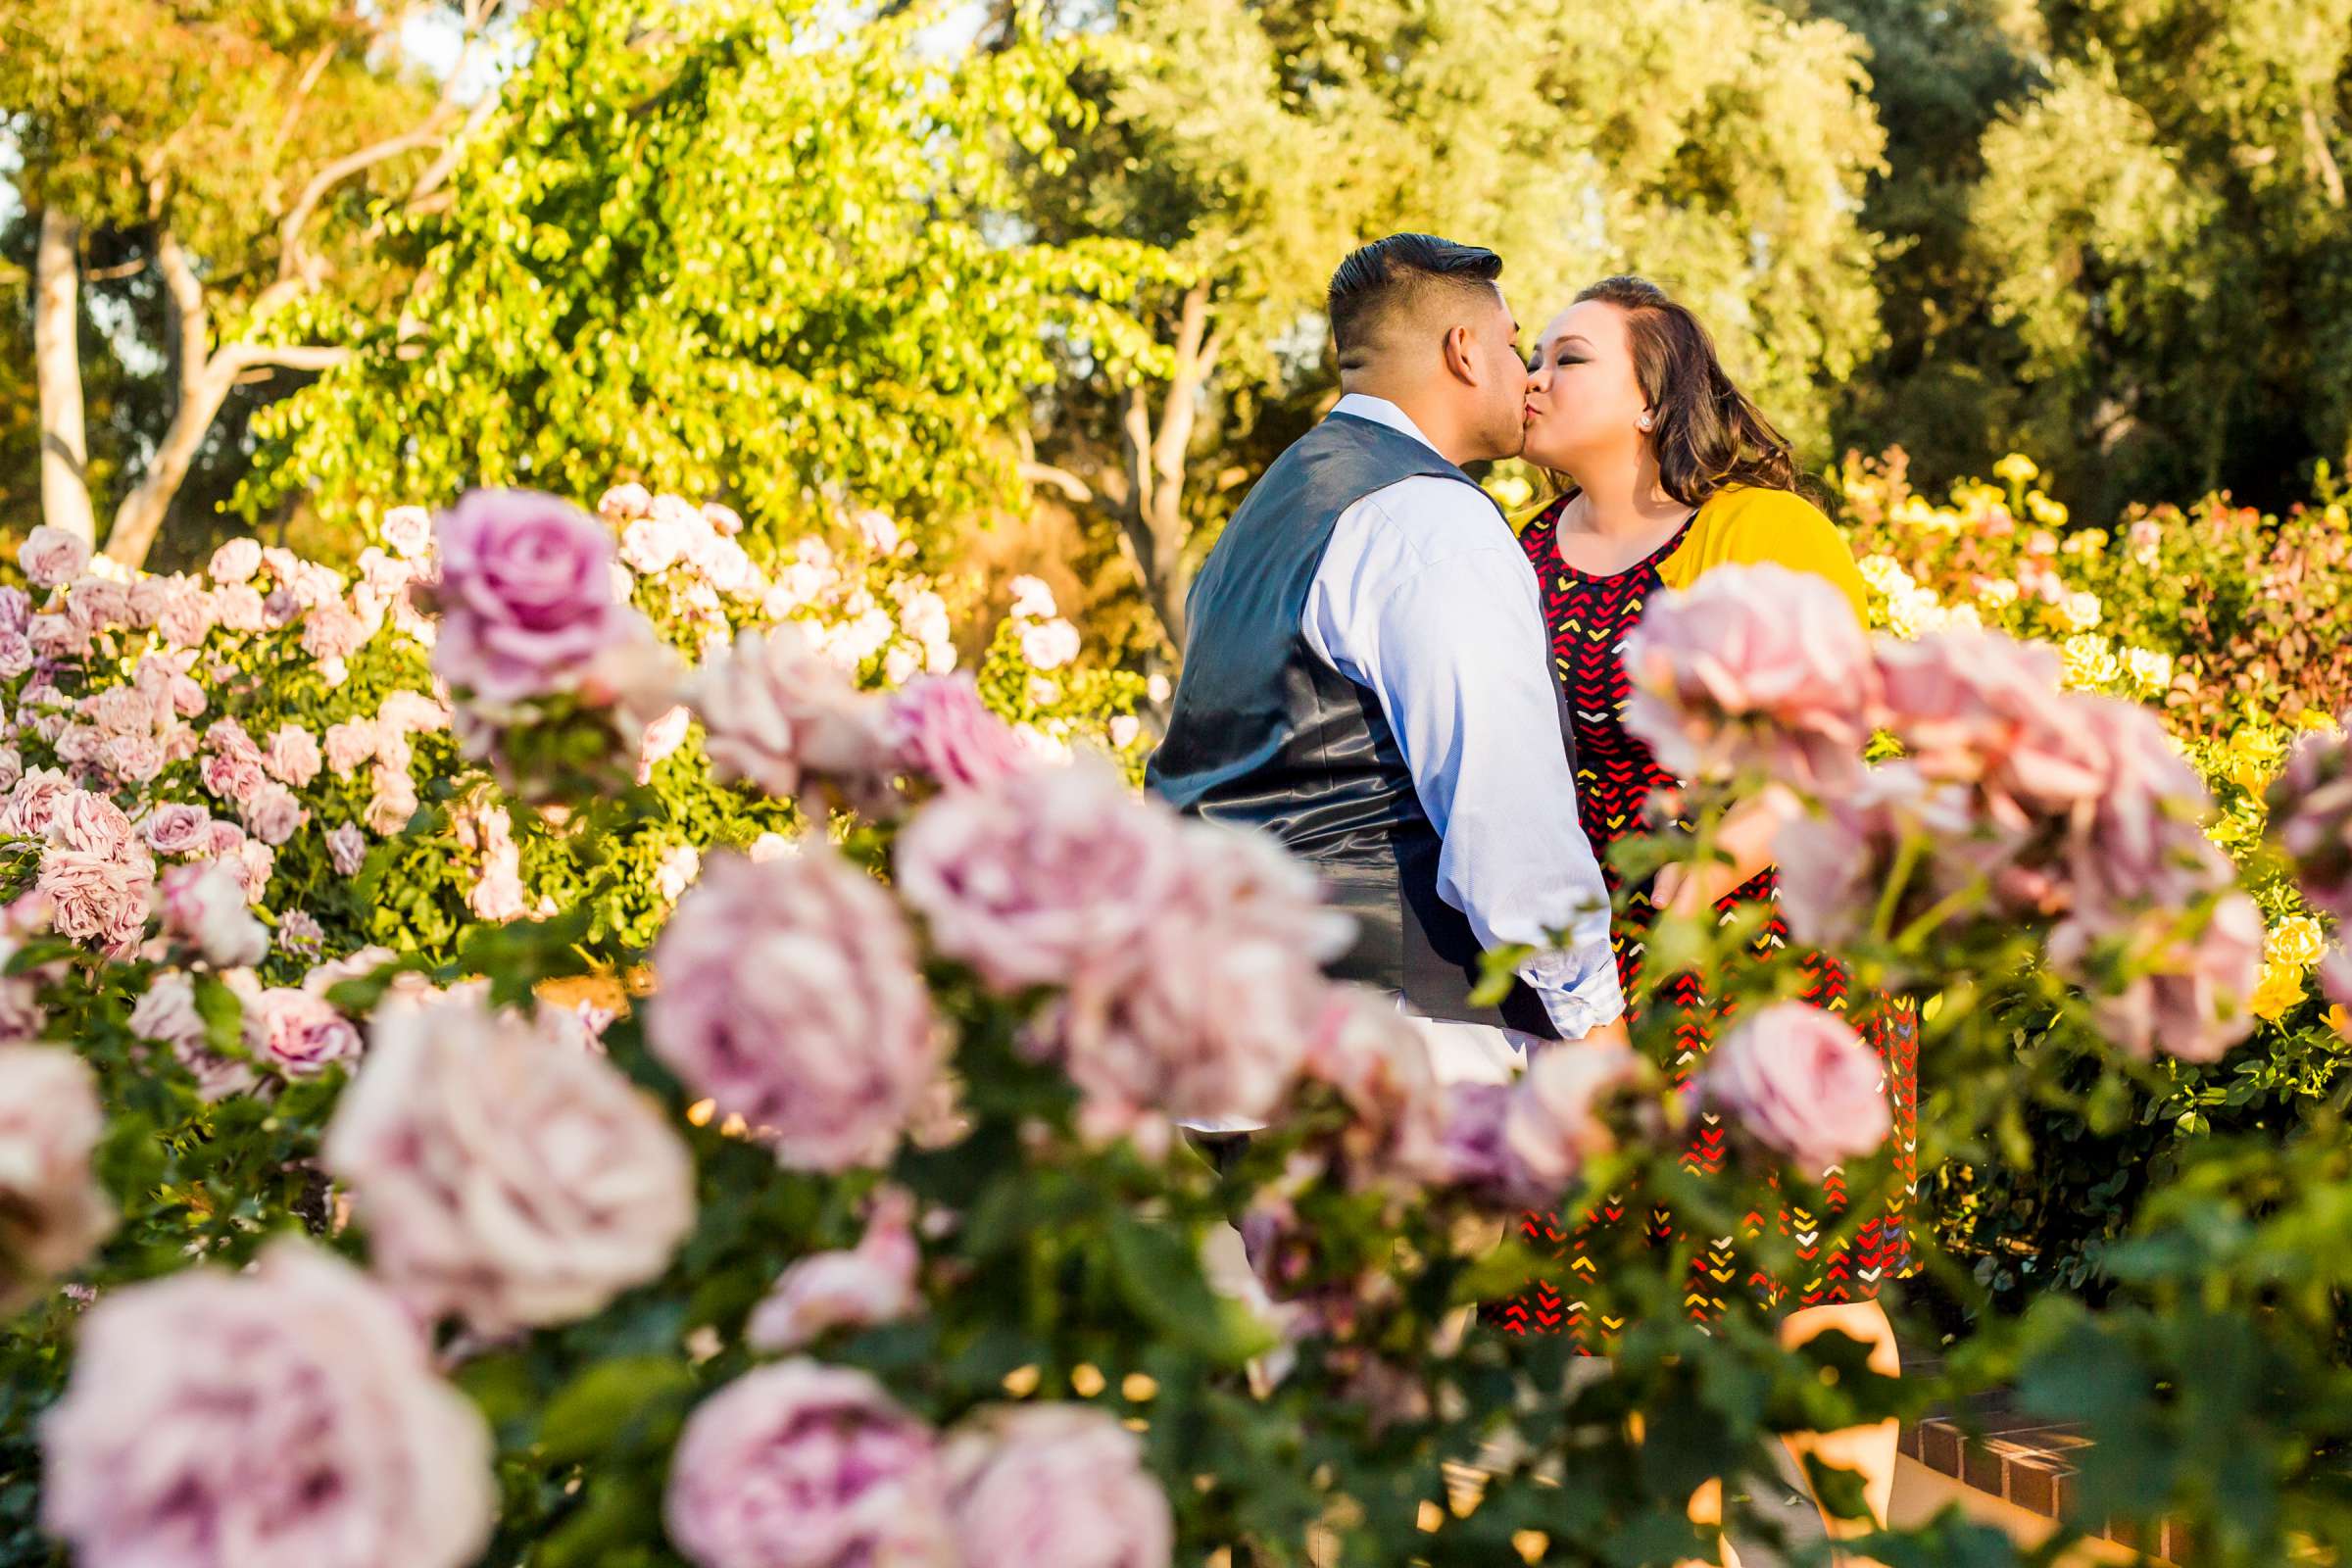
(1687, 890)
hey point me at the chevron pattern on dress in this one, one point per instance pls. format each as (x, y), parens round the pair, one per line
(1588, 618)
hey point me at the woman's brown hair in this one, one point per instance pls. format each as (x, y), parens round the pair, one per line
(1708, 434)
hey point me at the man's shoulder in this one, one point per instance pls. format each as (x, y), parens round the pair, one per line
(1429, 519)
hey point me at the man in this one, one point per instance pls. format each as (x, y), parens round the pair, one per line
(1366, 675)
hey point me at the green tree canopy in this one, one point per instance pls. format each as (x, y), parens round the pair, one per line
(742, 247)
(1717, 145)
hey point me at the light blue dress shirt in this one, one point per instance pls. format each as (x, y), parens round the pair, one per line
(1425, 598)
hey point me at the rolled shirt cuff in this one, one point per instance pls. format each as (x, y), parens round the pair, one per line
(1579, 997)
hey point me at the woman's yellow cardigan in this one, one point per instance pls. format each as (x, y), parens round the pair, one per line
(1746, 525)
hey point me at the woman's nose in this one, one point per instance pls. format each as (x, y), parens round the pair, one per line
(1538, 377)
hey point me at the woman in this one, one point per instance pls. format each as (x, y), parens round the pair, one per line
(1668, 470)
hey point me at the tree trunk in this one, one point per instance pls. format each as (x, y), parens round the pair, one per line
(202, 386)
(57, 373)
(1155, 529)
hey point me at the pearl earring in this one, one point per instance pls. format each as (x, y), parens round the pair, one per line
(1645, 421)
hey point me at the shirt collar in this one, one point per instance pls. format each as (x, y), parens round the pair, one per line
(1379, 411)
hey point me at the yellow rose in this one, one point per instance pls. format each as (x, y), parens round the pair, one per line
(2089, 662)
(2016, 468)
(2296, 940)
(2339, 1021)
(2280, 988)
(2050, 514)
(2151, 671)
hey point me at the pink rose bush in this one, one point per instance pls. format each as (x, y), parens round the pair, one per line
(2311, 809)
(504, 1176)
(872, 1283)
(1801, 1082)
(525, 598)
(310, 1433)
(1055, 1484)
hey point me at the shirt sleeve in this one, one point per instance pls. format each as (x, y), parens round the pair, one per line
(1452, 642)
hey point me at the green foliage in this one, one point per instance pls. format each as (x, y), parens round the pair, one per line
(739, 245)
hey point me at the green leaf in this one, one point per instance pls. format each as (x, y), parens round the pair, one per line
(628, 1405)
(1161, 1277)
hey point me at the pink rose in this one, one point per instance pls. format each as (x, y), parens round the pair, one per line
(1373, 1055)
(135, 758)
(12, 767)
(726, 522)
(525, 598)
(409, 531)
(53, 1213)
(15, 609)
(1050, 643)
(800, 1465)
(408, 713)
(205, 907)
(187, 614)
(1752, 666)
(2141, 843)
(1551, 1127)
(165, 1014)
(293, 756)
(1243, 883)
(240, 607)
(58, 637)
(505, 1177)
(2186, 997)
(176, 829)
(1055, 1486)
(625, 501)
(16, 654)
(1046, 877)
(91, 823)
(1799, 1081)
(349, 744)
(778, 715)
(52, 557)
(187, 1458)
(235, 561)
(2335, 980)
(98, 898)
(790, 995)
(232, 776)
(1833, 865)
(147, 596)
(1165, 1042)
(347, 849)
(98, 604)
(223, 838)
(332, 630)
(393, 803)
(256, 862)
(2311, 819)
(300, 935)
(873, 1282)
(939, 729)
(1983, 710)
(301, 1034)
(651, 543)
(32, 800)
(663, 736)
(77, 744)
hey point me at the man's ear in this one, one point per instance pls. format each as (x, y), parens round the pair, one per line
(1460, 362)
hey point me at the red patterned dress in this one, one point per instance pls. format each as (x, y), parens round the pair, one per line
(1588, 617)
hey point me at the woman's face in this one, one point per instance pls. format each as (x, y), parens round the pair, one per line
(1583, 406)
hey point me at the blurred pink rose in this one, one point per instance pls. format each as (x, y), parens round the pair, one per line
(2335, 980)
(52, 557)
(789, 994)
(240, 608)
(662, 737)
(256, 862)
(1050, 643)
(505, 1177)
(652, 544)
(778, 715)
(1800, 1081)
(300, 935)
(53, 1213)
(625, 501)
(135, 758)
(1245, 883)
(187, 613)
(165, 1014)
(32, 800)
(940, 729)
(58, 637)
(271, 815)
(409, 713)
(204, 906)
(2141, 841)
(1368, 1051)
(725, 520)
(235, 561)
(801, 1465)
(300, 1033)
(91, 824)
(99, 603)
(12, 767)
(393, 801)
(231, 776)
(176, 829)
(1207, 1026)
(1832, 864)
(1983, 710)
(285, 1416)
(332, 630)
(347, 849)
(293, 756)
(1752, 666)
(16, 654)
(872, 1283)
(15, 609)
(2311, 819)
(526, 600)
(349, 744)
(1551, 1126)
(2185, 996)
(1055, 1486)
(1046, 877)
(223, 838)
(409, 531)
(2147, 541)
(77, 744)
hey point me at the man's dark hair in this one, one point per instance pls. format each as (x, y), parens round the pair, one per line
(1392, 272)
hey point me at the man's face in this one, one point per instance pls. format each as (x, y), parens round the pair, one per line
(1500, 392)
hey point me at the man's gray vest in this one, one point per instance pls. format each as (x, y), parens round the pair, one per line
(1265, 734)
